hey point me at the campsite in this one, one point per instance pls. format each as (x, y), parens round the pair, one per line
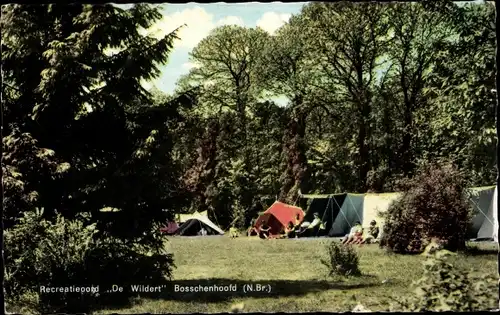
(249, 157)
(299, 282)
(339, 212)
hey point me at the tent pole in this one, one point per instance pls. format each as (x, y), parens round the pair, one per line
(215, 217)
(323, 217)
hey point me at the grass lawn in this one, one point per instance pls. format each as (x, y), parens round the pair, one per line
(292, 268)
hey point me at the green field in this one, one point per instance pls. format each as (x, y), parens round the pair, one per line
(293, 269)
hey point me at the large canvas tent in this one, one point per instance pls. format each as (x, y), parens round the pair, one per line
(278, 216)
(339, 212)
(484, 221)
(375, 205)
(195, 223)
(494, 210)
(351, 211)
(327, 207)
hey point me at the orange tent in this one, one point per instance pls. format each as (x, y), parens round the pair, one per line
(279, 216)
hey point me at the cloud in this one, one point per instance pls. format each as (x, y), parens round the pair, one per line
(271, 21)
(198, 24)
(190, 65)
(231, 20)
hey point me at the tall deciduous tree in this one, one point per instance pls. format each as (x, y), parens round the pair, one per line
(287, 70)
(464, 97)
(416, 33)
(225, 73)
(349, 39)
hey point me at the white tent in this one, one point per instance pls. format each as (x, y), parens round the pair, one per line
(196, 222)
(483, 222)
(375, 204)
(494, 210)
(181, 218)
(489, 227)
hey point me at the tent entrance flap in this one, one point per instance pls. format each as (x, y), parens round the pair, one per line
(351, 211)
(194, 225)
(327, 207)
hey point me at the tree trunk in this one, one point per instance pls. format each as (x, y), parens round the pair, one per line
(364, 152)
(406, 149)
(364, 135)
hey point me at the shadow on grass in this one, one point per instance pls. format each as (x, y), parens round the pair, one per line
(223, 290)
(476, 251)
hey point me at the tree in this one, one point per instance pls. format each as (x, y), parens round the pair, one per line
(464, 96)
(224, 74)
(225, 68)
(82, 105)
(349, 39)
(416, 32)
(287, 69)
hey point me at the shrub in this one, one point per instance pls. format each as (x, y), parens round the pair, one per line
(343, 260)
(444, 288)
(433, 206)
(71, 253)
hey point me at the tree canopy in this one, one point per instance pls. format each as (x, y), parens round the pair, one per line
(373, 91)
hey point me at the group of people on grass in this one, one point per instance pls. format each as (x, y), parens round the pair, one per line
(297, 229)
(292, 230)
(355, 236)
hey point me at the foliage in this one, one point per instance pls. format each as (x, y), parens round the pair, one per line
(363, 109)
(433, 206)
(343, 97)
(342, 260)
(443, 287)
(464, 97)
(68, 253)
(109, 132)
(22, 156)
(349, 43)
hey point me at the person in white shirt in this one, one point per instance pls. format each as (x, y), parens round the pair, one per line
(355, 233)
(202, 232)
(309, 226)
(315, 222)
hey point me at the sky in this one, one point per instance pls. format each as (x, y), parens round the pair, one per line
(200, 19)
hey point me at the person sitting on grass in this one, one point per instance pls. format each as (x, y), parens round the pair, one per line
(290, 230)
(358, 235)
(264, 230)
(284, 231)
(307, 228)
(316, 222)
(252, 230)
(233, 232)
(302, 228)
(354, 235)
(373, 232)
(297, 221)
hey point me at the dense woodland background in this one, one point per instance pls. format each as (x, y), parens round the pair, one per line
(374, 90)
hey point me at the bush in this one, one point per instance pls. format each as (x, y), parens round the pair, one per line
(433, 206)
(71, 253)
(343, 260)
(444, 288)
